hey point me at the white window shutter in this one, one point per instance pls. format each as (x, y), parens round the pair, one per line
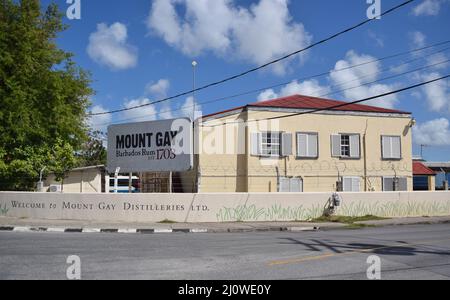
(284, 185)
(356, 184)
(302, 145)
(313, 142)
(403, 184)
(386, 147)
(354, 146)
(286, 144)
(336, 145)
(388, 184)
(396, 147)
(347, 184)
(296, 185)
(256, 144)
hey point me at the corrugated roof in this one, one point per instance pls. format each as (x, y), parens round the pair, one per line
(420, 169)
(307, 102)
(312, 103)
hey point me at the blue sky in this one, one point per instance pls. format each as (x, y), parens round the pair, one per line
(140, 51)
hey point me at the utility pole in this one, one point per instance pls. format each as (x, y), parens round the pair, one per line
(194, 65)
(196, 162)
(365, 156)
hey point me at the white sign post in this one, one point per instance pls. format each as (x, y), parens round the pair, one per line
(159, 146)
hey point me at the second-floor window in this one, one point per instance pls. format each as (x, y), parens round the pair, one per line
(307, 145)
(391, 147)
(346, 146)
(270, 143)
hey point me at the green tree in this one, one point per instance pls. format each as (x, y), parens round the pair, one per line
(93, 152)
(63, 161)
(44, 96)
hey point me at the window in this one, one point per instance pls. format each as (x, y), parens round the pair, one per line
(270, 144)
(307, 145)
(391, 147)
(290, 185)
(395, 184)
(345, 145)
(351, 184)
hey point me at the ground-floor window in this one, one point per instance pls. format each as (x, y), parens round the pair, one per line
(290, 185)
(351, 184)
(394, 184)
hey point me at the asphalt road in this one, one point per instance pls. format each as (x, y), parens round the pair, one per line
(406, 252)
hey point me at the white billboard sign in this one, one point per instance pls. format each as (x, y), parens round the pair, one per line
(158, 146)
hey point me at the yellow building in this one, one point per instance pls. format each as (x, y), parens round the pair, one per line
(286, 145)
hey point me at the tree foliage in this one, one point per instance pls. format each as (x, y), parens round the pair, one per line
(63, 161)
(93, 151)
(43, 94)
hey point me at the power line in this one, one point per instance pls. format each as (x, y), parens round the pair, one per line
(314, 93)
(262, 66)
(336, 106)
(386, 78)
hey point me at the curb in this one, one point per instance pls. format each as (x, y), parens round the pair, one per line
(100, 230)
(152, 231)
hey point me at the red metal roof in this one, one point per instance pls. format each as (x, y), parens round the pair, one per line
(307, 102)
(420, 169)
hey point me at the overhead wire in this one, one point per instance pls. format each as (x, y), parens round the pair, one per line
(242, 74)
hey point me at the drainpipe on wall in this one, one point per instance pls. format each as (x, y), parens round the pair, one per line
(365, 156)
(278, 178)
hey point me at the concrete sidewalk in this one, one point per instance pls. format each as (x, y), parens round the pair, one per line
(27, 225)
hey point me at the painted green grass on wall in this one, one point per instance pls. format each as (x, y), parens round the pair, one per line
(276, 212)
(396, 209)
(4, 210)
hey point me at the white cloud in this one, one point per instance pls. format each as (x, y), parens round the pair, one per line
(158, 89)
(351, 79)
(187, 109)
(263, 32)
(100, 122)
(267, 95)
(439, 60)
(428, 8)
(418, 39)
(152, 113)
(379, 41)
(307, 88)
(142, 114)
(166, 112)
(108, 46)
(433, 133)
(437, 94)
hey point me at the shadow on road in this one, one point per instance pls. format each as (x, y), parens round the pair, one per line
(396, 248)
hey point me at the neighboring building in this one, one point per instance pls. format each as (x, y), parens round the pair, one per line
(94, 179)
(424, 177)
(81, 180)
(442, 170)
(350, 148)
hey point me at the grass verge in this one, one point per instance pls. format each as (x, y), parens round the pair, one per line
(167, 222)
(347, 220)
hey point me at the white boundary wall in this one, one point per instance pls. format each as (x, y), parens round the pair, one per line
(217, 207)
